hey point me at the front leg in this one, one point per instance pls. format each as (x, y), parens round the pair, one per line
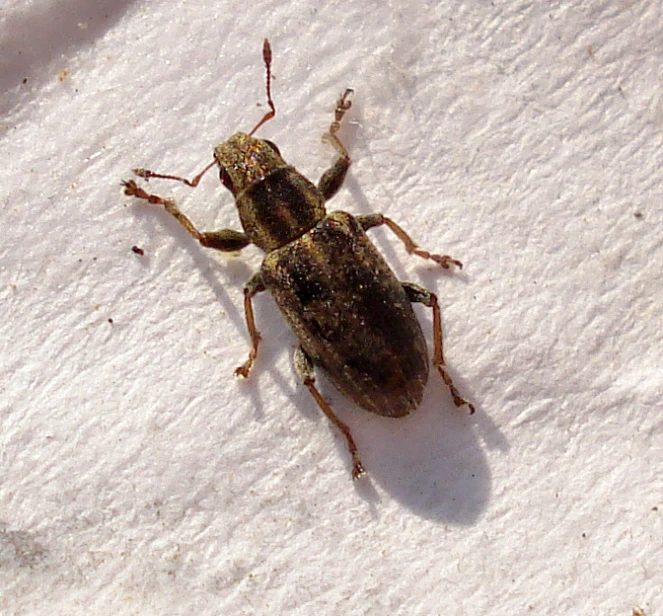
(225, 240)
(332, 179)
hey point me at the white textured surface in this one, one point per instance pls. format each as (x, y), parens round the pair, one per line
(137, 475)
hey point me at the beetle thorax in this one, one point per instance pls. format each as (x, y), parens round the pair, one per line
(276, 204)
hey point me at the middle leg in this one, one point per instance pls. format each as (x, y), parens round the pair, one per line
(368, 221)
(253, 287)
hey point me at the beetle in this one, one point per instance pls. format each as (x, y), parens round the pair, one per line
(352, 316)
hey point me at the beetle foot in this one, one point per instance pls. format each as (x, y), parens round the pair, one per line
(357, 468)
(244, 370)
(445, 261)
(133, 190)
(457, 398)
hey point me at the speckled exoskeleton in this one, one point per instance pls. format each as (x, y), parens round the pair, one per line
(352, 316)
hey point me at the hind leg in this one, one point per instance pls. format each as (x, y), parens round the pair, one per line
(304, 368)
(418, 294)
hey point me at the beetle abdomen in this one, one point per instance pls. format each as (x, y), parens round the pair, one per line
(351, 315)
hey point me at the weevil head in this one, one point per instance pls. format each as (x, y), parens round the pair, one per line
(244, 160)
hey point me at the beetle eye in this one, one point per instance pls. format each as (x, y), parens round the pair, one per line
(226, 180)
(272, 145)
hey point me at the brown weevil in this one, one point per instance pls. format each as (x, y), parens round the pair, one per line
(352, 316)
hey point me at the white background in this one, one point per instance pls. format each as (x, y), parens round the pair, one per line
(138, 476)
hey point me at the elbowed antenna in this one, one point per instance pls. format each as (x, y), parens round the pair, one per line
(267, 57)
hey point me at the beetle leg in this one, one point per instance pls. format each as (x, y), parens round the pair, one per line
(304, 368)
(252, 287)
(418, 294)
(226, 240)
(368, 221)
(332, 179)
